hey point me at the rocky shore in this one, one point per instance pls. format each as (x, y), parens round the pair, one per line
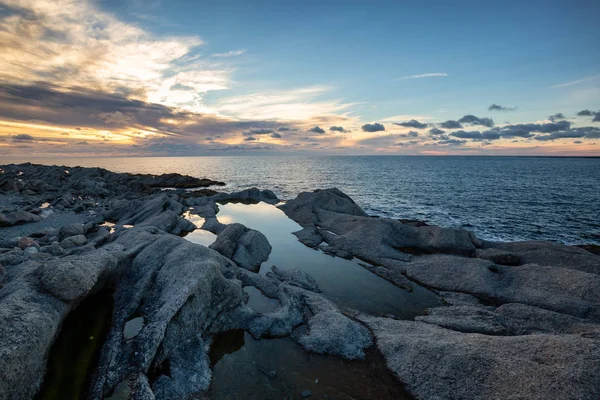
(517, 320)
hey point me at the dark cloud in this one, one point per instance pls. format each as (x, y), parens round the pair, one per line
(413, 123)
(473, 120)
(275, 135)
(557, 117)
(337, 129)
(250, 138)
(376, 127)
(496, 107)
(317, 129)
(476, 135)
(283, 129)
(72, 106)
(22, 137)
(596, 117)
(453, 142)
(527, 130)
(451, 124)
(436, 131)
(258, 131)
(410, 134)
(585, 113)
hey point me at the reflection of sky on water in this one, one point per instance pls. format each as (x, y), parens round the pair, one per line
(343, 281)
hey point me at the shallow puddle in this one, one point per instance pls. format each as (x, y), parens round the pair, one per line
(245, 368)
(259, 302)
(74, 354)
(198, 236)
(343, 281)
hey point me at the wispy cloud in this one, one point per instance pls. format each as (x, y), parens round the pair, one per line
(419, 76)
(231, 53)
(576, 82)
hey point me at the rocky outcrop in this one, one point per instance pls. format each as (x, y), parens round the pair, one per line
(438, 363)
(246, 247)
(553, 288)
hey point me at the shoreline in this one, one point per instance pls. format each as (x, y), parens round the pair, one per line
(531, 308)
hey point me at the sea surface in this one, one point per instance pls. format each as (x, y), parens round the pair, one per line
(498, 198)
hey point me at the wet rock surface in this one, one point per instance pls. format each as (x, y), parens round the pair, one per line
(520, 320)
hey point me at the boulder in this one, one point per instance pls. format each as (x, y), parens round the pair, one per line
(295, 277)
(71, 278)
(18, 217)
(246, 247)
(26, 242)
(73, 241)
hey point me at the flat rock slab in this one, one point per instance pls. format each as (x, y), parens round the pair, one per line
(438, 363)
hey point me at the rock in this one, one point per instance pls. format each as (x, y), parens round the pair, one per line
(309, 237)
(551, 254)
(557, 289)
(31, 250)
(390, 275)
(295, 277)
(331, 332)
(13, 257)
(72, 277)
(179, 290)
(70, 230)
(29, 322)
(26, 242)
(18, 217)
(438, 363)
(160, 210)
(349, 232)
(498, 256)
(73, 241)
(2, 272)
(305, 393)
(246, 247)
(249, 196)
(460, 299)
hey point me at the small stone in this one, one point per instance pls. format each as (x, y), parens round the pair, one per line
(272, 374)
(31, 250)
(26, 242)
(306, 393)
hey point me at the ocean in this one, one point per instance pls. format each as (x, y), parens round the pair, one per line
(498, 198)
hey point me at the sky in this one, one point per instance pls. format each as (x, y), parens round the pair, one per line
(228, 77)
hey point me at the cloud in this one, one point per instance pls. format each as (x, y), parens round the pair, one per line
(585, 113)
(451, 124)
(473, 120)
(22, 137)
(250, 138)
(275, 135)
(596, 117)
(476, 135)
(454, 142)
(337, 129)
(258, 131)
(556, 117)
(576, 82)
(413, 123)
(231, 53)
(410, 134)
(526, 130)
(317, 129)
(436, 131)
(376, 127)
(419, 76)
(496, 107)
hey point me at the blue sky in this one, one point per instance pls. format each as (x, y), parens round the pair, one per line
(493, 52)
(199, 77)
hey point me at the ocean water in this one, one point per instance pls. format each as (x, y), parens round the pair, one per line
(498, 198)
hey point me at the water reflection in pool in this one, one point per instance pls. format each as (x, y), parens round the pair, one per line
(245, 368)
(198, 236)
(343, 281)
